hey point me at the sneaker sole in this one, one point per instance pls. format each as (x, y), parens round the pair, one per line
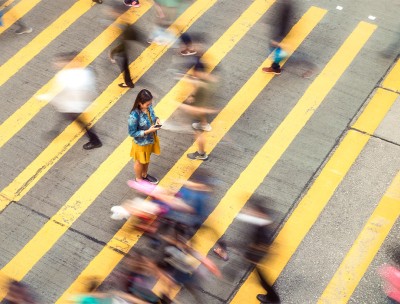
(24, 32)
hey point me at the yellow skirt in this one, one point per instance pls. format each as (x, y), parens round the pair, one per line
(142, 153)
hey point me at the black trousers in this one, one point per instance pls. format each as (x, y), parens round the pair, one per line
(93, 138)
(271, 293)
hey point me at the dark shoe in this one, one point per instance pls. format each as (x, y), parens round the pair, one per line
(264, 299)
(197, 155)
(98, 1)
(124, 85)
(271, 70)
(151, 179)
(90, 145)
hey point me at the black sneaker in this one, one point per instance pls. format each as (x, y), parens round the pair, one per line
(90, 145)
(151, 179)
(197, 155)
(264, 299)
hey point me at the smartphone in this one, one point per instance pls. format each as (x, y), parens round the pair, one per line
(157, 126)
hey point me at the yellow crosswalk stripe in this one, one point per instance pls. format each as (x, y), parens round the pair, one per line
(365, 247)
(15, 122)
(124, 240)
(17, 12)
(62, 143)
(34, 47)
(81, 200)
(391, 82)
(319, 194)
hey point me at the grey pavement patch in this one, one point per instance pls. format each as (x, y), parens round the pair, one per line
(389, 129)
(371, 287)
(18, 225)
(325, 246)
(61, 266)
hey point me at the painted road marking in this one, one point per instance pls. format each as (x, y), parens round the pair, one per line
(15, 122)
(391, 82)
(109, 257)
(20, 265)
(17, 12)
(34, 47)
(72, 133)
(310, 207)
(6, 4)
(365, 247)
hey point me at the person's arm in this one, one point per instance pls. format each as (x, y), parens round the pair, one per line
(133, 123)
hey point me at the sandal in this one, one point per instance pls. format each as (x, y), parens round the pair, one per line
(124, 85)
(223, 254)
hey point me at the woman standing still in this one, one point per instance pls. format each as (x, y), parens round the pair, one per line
(143, 128)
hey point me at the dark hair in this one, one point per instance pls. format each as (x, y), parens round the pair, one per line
(142, 97)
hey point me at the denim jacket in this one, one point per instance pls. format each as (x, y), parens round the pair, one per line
(138, 122)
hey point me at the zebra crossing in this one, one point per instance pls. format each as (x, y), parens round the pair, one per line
(52, 255)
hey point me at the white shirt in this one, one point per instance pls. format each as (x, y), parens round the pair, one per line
(78, 88)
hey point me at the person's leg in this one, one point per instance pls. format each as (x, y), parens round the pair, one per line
(94, 141)
(201, 143)
(271, 295)
(145, 169)
(275, 68)
(123, 63)
(138, 168)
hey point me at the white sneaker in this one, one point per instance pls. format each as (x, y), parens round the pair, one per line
(24, 30)
(199, 126)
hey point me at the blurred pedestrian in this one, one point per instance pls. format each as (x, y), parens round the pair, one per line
(180, 260)
(166, 13)
(139, 274)
(120, 53)
(74, 89)
(281, 29)
(18, 293)
(143, 125)
(22, 27)
(200, 104)
(390, 273)
(257, 243)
